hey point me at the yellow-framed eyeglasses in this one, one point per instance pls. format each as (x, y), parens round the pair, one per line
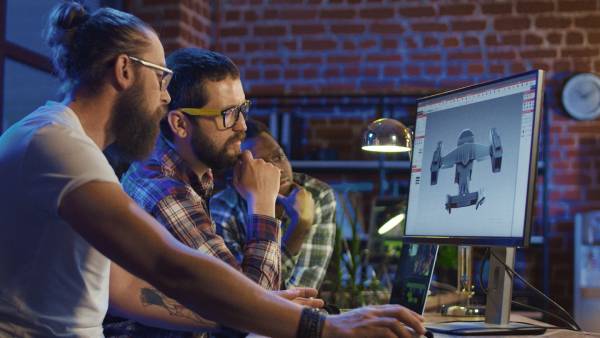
(230, 115)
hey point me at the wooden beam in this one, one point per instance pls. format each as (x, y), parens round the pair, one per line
(28, 57)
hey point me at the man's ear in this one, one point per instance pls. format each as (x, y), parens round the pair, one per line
(179, 123)
(123, 72)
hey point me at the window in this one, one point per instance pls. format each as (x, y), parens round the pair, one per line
(26, 79)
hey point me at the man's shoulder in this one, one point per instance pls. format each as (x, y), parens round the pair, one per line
(53, 114)
(53, 125)
(148, 185)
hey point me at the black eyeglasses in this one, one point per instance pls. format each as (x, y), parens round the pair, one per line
(164, 76)
(230, 115)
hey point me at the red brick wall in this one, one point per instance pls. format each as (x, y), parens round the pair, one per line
(179, 23)
(370, 46)
(385, 46)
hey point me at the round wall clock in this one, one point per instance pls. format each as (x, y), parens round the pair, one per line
(581, 96)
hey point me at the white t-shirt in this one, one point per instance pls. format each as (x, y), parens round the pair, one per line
(52, 282)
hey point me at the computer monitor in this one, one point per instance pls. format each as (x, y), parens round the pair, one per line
(474, 163)
(473, 173)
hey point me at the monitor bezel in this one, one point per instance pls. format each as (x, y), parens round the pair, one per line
(525, 239)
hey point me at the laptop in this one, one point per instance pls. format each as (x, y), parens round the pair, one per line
(413, 276)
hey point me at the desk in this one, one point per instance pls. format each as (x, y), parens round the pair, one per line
(515, 317)
(437, 318)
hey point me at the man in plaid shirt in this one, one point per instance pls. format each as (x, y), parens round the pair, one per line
(177, 197)
(175, 182)
(306, 207)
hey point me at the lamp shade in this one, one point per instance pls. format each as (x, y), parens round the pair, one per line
(387, 136)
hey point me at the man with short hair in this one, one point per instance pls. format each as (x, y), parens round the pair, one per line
(306, 207)
(65, 220)
(175, 183)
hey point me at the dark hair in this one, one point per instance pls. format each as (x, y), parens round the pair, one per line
(192, 67)
(84, 45)
(255, 128)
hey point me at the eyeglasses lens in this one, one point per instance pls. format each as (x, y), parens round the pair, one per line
(231, 116)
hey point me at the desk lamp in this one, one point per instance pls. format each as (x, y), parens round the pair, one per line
(387, 136)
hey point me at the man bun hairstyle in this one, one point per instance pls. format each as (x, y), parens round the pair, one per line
(192, 67)
(84, 44)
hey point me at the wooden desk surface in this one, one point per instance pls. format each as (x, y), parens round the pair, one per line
(515, 317)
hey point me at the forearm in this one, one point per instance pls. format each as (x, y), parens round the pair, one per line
(262, 254)
(233, 300)
(133, 298)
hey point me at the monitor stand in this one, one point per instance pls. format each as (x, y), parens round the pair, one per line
(464, 288)
(497, 307)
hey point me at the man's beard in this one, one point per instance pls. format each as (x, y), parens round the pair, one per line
(135, 128)
(206, 151)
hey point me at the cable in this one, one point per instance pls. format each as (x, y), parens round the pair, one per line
(553, 315)
(484, 289)
(511, 273)
(481, 265)
(573, 325)
(514, 273)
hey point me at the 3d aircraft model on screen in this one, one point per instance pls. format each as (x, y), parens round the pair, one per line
(462, 157)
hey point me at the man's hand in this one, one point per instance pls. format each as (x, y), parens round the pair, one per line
(374, 321)
(302, 296)
(258, 183)
(300, 207)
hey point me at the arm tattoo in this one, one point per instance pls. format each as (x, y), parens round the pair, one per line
(153, 297)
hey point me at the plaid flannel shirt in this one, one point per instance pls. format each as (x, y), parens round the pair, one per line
(309, 266)
(170, 191)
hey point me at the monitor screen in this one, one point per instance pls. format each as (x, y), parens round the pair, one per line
(474, 163)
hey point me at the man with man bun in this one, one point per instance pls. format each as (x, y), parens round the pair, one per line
(64, 217)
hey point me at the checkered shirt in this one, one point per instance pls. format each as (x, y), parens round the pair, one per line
(170, 191)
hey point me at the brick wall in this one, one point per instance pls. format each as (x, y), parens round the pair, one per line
(370, 46)
(385, 46)
(178, 23)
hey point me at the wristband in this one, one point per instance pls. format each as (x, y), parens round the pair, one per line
(311, 324)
